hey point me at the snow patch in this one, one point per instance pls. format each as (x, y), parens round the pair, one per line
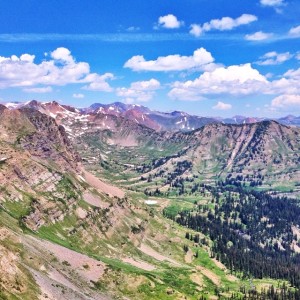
(150, 202)
(52, 115)
(12, 105)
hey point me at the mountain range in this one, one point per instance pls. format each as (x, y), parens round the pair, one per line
(170, 121)
(261, 152)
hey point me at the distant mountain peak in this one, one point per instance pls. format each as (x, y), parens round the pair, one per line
(169, 121)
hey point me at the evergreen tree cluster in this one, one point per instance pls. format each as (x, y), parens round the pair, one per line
(251, 232)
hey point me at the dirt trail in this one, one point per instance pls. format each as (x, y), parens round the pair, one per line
(139, 264)
(102, 186)
(210, 275)
(151, 252)
(230, 277)
(198, 279)
(52, 289)
(219, 264)
(87, 267)
(94, 200)
(189, 256)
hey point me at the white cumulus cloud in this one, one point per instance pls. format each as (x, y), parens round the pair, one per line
(222, 106)
(288, 84)
(258, 36)
(62, 54)
(169, 21)
(98, 82)
(286, 101)
(58, 70)
(199, 60)
(233, 80)
(274, 58)
(27, 57)
(225, 23)
(196, 30)
(139, 91)
(150, 85)
(239, 81)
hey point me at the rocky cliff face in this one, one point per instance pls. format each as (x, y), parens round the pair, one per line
(44, 189)
(35, 155)
(2, 108)
(49, 140)
(41, 176)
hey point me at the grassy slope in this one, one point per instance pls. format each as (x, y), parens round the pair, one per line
(167, 281)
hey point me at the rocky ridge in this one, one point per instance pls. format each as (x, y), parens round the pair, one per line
(159, 121)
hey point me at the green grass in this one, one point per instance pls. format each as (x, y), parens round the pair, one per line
(176, 207)
(24, 278)
(7, 220)
(164, 277)
(16, 209)
(53, 231)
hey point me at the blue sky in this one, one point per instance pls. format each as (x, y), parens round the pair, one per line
(206, 57)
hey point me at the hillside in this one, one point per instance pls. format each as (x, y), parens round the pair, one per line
(43, 185)
(263, 155)
(67, 232)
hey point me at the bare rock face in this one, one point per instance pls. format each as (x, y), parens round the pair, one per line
(49, 140)
(35, 158)
(19, 173)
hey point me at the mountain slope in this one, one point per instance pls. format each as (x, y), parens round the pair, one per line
(262, 155)
(40, 185)
(66, 234)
